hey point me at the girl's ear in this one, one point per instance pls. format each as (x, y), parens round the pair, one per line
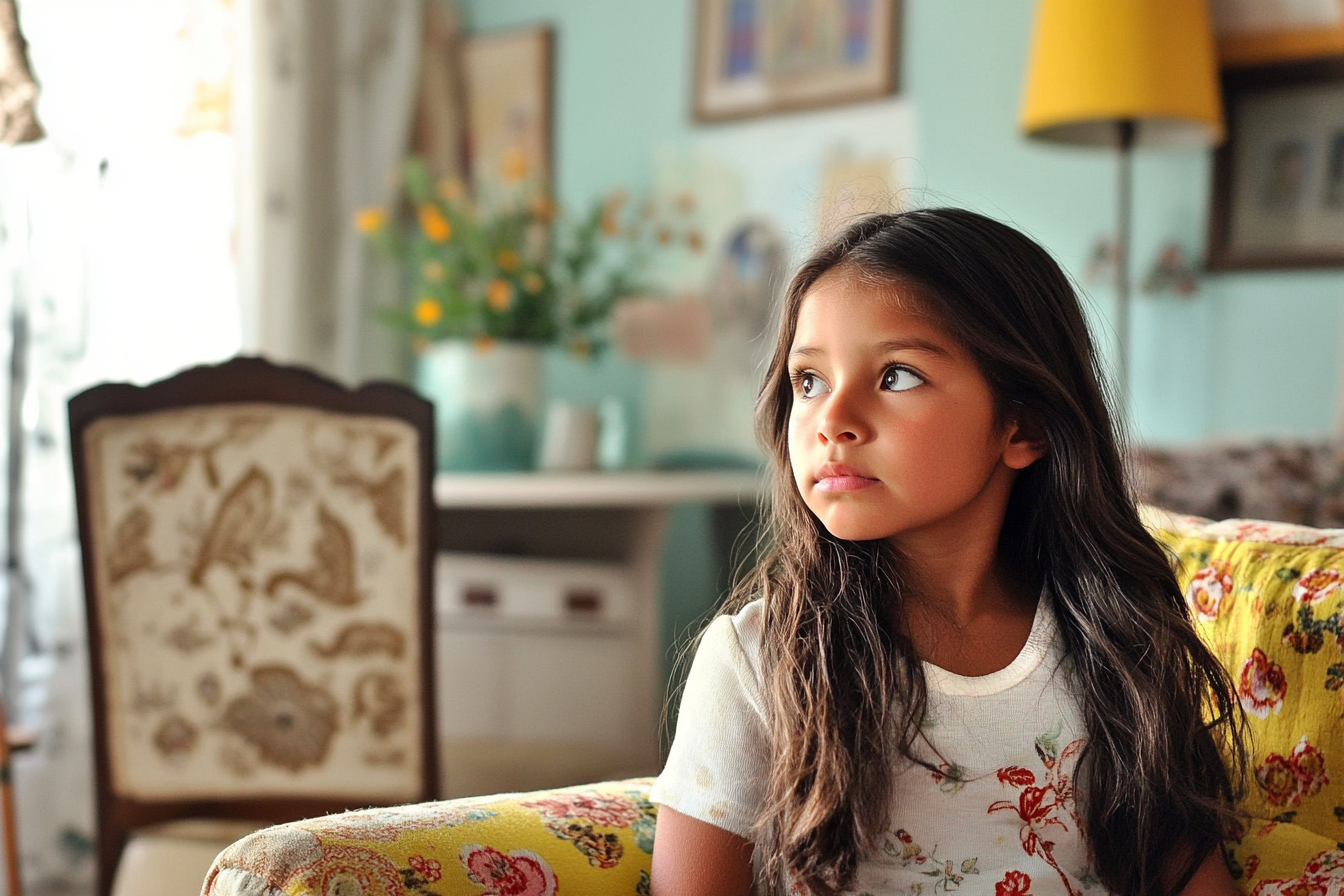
(1026, 441)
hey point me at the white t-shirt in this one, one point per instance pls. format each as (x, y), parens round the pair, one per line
(999, 820)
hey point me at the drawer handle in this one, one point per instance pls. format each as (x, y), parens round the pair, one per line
(480, 596)
(583, 600)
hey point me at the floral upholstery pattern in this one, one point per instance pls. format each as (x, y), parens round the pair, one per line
(253, 564)
(598, 838)
(1269, 599)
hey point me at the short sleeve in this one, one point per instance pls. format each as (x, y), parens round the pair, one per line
(717, 768)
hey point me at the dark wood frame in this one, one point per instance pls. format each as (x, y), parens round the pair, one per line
(244, 379)
(544, 35)
(1236, 84)
(1279, 45)
(700, 111)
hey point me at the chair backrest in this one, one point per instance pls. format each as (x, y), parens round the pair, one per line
(257, 549)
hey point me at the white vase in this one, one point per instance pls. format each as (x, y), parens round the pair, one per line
(487, 403)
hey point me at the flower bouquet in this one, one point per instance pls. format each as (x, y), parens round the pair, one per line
(491, 282)
(511, 267)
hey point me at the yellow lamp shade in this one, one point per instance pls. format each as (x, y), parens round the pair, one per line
(1095, 63)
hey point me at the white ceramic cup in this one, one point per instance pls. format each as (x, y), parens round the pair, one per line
(568, 437)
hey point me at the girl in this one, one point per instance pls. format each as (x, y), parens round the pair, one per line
(963, 664)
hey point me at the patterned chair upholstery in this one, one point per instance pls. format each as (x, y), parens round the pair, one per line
(597, 838)
(1268, 597)
(257, 545)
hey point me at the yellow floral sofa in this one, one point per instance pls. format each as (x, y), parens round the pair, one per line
(1268, 597)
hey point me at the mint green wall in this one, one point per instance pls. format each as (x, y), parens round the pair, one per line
(1250, 355)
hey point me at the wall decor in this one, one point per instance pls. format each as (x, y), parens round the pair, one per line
(1255, 32)
(508, 78)
(755, 57)
(1278, 180)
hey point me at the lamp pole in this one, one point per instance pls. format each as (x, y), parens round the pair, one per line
(1125, 129)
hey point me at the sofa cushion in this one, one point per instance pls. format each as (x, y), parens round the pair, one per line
(1268, 598)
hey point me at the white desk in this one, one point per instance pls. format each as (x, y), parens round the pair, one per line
(539, 687)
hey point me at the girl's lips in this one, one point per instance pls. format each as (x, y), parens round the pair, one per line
(846, 483)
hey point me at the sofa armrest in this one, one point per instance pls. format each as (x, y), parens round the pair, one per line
(1282, 859)
(598, 838)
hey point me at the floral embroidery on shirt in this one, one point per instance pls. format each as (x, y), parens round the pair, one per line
(1043, 806)
(947, 875)
(950, 777)
(1014, 883)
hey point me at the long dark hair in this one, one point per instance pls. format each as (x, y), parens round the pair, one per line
(844, 688)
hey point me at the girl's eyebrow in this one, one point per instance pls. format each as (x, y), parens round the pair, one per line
(918, 345)
(894, 345)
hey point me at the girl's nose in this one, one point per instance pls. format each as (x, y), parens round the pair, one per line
(843, 420)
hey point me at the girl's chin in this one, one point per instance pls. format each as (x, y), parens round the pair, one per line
(854, 530)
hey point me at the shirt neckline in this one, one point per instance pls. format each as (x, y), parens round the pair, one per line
(1027, 660)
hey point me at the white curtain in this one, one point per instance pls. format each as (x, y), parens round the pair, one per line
(198, 151)
(116, 248)
(331, 86)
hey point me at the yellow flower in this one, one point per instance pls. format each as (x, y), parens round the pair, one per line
(450, 189)
(514, 165)
(483, 343)
(499, 294)
(434, 224)
(370, 220)
(580, 348)
(428, 312)
(543, 208)
(433, 271)
(611, 211)
(508, 260)
(533, 283)
(695, 241)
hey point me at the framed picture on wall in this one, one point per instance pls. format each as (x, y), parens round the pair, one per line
(755, 57)
(1278, 178)
(1256, 32)
(509, 103)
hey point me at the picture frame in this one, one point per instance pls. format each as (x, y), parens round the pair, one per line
(759, 57)
(1277, 198)
(1253, 32)
(509, 98)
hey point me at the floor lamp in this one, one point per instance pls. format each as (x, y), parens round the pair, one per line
(1123, 74)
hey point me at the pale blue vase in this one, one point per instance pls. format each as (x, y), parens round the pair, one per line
(487, 403)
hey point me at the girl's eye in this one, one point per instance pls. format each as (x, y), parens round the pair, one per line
(810, 385)
(898, 379)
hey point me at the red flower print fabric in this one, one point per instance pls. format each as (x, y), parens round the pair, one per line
(1262, 685)
(1045, 807)
(520, 873)
(1316, 585)
(1014, 883)
(1207, 589)
(1288, 780)
(1323, 876)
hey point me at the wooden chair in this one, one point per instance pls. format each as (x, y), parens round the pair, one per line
(257, 545)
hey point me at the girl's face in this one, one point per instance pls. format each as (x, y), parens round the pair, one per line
(892, 431)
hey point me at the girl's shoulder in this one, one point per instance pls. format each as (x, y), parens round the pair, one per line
(734, 639)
